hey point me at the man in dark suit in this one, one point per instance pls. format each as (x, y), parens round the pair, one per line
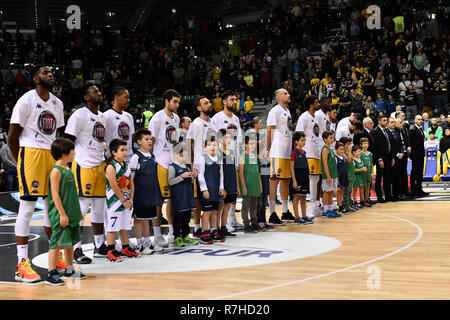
(417, 155)
(365, 133)
(402, 130)
(383, 159)
(397, 155)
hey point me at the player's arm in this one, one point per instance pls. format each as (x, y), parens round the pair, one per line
(55, 179)
(294, 181)
(269, 137)
(325, 162)
(13, 139)
(241, 176)
(131, 190)
(111, 176)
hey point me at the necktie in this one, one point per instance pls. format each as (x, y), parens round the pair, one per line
(388, 142)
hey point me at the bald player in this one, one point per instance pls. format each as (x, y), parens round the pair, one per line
(279, 147)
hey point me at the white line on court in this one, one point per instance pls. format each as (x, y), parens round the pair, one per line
(419, 235)
(12, 243)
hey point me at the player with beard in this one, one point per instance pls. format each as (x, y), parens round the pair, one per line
(86, 127)
(164, 127)
(34, 121)
(310, 126)
(201, 130)
(279, 148)
(225, 119)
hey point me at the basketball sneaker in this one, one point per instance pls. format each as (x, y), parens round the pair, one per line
(230, 228)
(74, 274)
(179, 242)
(130, 253)
(217, 237)
(79, 257)
(249, 229)
(60, 263)
(156, 248)
(101, 252)
(54, 279)
(146, 251)
(197, 233)
(114, 256)
(160, 241)
(300, 221)
(170, 239)
(275, 220)
(24, 272)
(308, 220)
(287, 216)
(206, 238)
(235, 224)
(189, 240)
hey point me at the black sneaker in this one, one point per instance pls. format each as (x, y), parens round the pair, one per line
(101, 252)
(275, 220)
(54, 279)
(287, 216)
(249, 229)
(268, 226)
(198, 233)
(225, 233)
(217, 237)
(74, 274)
(164, 221)
(79, 257)
(257, 227)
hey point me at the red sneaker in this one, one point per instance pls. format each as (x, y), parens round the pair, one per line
(130, 253)
(114, 256)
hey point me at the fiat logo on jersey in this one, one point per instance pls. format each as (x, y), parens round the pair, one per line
(171, 135)
(99, 132)
(124, 131)
(47, 123)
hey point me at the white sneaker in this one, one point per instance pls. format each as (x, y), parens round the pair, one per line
(160, 241)
(170, 239)
(146, 251)
(230, 228)
(235, 224)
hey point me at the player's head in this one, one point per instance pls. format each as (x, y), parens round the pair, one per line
(185, 122)
(328, 137)
(144, 139)
(299, 139)
(311, 102)
(325, 104)
(63, 149)
(364, 143)
(121, 97)
(356, 150)
(340, 148)
(333, 112)
(203, 105)
(118, 149)
(92, 94)
(282, 97)
(171, 100)
(229, 100)
(43, 76)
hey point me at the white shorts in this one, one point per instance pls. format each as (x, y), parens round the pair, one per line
(326, 187)
(118, 220)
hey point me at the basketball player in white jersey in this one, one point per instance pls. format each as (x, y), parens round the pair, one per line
(119, 123)
(200, 130)
(310, 126)
(279, 147)
(86, 128)
(225, 119)
(34, 121)
(164, 127)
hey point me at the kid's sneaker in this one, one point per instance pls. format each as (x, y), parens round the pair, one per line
(54, 279)
(217, 237)
(206, 238)
(189, 240)
(178, 242)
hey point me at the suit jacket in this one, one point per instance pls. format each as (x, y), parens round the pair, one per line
(416, 139)
(380, 150)
(364, 134)
(396, 144)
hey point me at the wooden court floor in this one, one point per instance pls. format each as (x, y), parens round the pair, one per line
(391, 251)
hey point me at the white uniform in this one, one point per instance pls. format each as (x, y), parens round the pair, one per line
(39, 119)
(233, 127)
(309, 125)
(324, 124)
(281, 146)
(343, 132)
(165, 131)
(200, 131)
(343, 123)
(119, 126)
(89, 129)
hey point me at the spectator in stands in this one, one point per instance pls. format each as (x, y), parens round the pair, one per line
(444, 144)
(9, 166)
(431, 142)
(441, 92)
(391, 86)
(437, 130)
(249, 105)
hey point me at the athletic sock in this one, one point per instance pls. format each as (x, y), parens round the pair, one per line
(22, 252)
(171, 229)
(98, 240)
(140, 242)
(196, 227)
(272, 206)
(147, 242)
(157, 231)
(284, 204)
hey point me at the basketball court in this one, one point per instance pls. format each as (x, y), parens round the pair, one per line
(391, 251)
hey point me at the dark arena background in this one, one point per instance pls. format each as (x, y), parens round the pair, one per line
(263, 71)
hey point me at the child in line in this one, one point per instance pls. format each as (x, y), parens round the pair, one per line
(342, 176)
(264, 172)
(64, 211)
(230, 182)
(210, 178)
(147, 195)
(251, 186)
(360, 180)
(181, 180)
(300, 178)
(329, 174)
(119, 199)
(347, 197)
(367, 158)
